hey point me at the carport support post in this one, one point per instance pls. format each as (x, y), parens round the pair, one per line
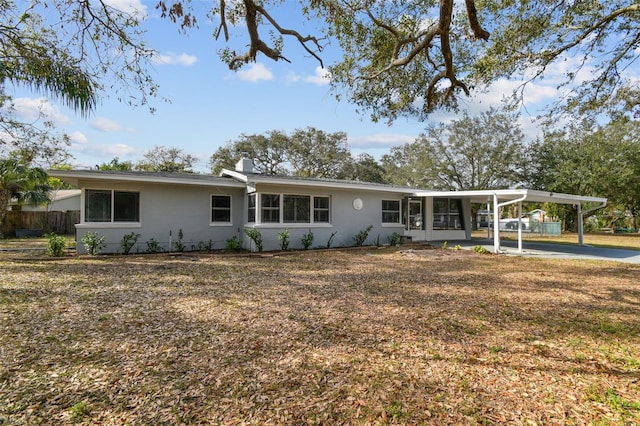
(496, 225)
(520, 227)
(580, 232)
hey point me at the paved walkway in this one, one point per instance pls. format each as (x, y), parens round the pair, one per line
(559, 251)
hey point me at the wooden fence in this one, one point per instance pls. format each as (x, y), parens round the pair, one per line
(62, 223)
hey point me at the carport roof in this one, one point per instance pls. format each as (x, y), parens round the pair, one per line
(525, 195)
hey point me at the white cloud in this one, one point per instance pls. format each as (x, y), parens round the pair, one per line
(255, 72)
(107, 125)
(78, 138)
(292, 77)
(135, 8)
(380, 140)
(104, 150)
(321, 77)
(175, 59)
(32, 109)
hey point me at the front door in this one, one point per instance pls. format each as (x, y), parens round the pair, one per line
(415, 221)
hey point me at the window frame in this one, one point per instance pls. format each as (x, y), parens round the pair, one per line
(216, 208)
(112, 207)
(272, 209)
(454, 209)
(295, 198)
(313, 211)
(388, 211)
(321, 209)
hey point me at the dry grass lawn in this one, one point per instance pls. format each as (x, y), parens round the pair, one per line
(375, 336)
(623, 241)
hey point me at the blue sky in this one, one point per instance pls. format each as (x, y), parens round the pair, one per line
(211, 105)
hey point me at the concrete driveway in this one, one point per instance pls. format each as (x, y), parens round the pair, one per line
(561, 251)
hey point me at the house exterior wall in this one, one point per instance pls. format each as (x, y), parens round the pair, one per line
(164, 211)
(346, 221)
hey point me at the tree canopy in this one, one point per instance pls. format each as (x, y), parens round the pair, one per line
(306, 152)
(22, 183)
(409, 58)
(161, 159)
(591, 159)
(399, 58)
(482, 152)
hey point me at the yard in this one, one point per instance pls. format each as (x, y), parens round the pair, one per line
(357, 336)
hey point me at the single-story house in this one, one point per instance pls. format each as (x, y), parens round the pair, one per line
(207, 211)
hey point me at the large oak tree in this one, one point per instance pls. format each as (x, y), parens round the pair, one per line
(408, 58)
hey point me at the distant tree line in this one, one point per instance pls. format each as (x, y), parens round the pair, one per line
(487, 151)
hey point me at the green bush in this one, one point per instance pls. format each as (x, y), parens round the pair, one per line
(394, 239)
(153, 246)
(56, 245)
(255, 236)
(93, 242)
(202, 246)
(307, 240)
(234, 244)
(284, 239)
(178, 244)
(361, 237)
(128, 241)
(481, 250)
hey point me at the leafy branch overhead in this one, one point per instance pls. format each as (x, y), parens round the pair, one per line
(410, 58)
(253, 13)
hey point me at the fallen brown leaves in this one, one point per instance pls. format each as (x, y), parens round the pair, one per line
(335, 337)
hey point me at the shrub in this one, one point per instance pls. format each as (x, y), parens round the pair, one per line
(394, 239)
(333, 234)
(444, 245)
(234, 244)
(307, 240)
(361, 237)
(178, 244)
(56, 245)
(202, 246)
(128, 241)
(93, 242)
(480, 250)
(284, 239)
(153, 246)
(255, 236)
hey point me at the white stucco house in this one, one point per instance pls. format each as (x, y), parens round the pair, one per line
(209, 210)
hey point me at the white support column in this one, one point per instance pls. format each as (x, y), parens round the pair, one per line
(488, 219)
(496, 225)
(520, 227)
(580, 230)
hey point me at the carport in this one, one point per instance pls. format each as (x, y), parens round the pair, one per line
(495, 199)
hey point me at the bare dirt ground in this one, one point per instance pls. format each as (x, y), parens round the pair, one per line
(374, 336)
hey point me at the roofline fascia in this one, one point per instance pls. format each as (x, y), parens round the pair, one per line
(79, 175)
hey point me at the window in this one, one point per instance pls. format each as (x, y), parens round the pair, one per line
(270, 208)
(221, 208)
(287, 208)
(321, 209)
(251, 208)
(111, 206)
(390, 211)
(446, 213)
(296, 208)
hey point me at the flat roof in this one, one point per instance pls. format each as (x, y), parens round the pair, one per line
(530, 195)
